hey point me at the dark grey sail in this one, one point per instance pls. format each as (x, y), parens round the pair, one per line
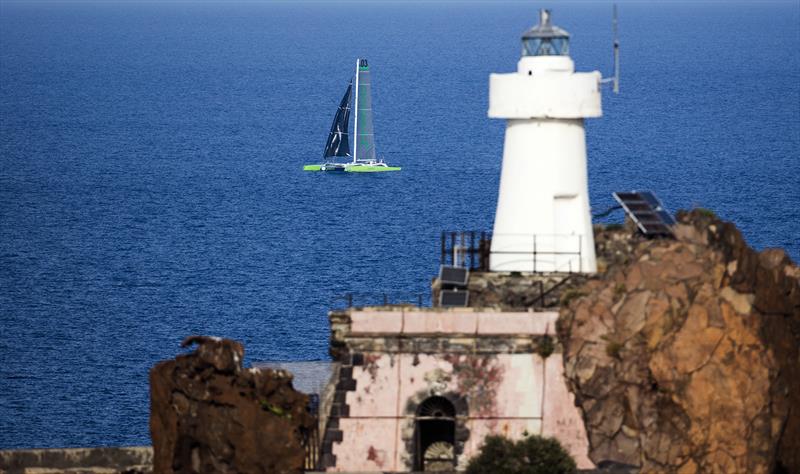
(338, 143)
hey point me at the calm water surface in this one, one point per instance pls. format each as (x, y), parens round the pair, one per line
(151, 183)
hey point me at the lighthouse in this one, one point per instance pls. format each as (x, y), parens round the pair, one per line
(543, 222)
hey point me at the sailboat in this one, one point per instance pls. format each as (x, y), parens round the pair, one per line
(364, 159)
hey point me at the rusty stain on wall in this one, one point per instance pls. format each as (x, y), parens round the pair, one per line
(378, 456)
(478, 377)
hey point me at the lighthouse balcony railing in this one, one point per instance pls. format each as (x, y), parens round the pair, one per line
(536, 253)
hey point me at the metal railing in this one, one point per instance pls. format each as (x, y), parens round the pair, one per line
(546, 253)
(467, 249)
(348, 300)
(310, 438)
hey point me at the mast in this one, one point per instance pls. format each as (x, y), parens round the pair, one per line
(355, 121)
(616, 53)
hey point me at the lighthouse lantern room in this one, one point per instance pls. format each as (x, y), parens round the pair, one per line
(543, 221)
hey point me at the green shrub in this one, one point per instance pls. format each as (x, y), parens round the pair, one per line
(705, 212)
(613, 349)
(546, 347)
(530, 455)
(570, 295)
(619, 291)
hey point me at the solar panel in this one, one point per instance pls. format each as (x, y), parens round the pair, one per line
(453, 298)
(647, 212)
(453, 276)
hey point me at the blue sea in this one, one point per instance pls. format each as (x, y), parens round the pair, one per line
(151, 155)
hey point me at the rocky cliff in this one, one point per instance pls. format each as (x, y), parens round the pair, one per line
(210, 415)
(683, 355)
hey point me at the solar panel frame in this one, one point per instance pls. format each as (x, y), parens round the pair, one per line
(453, 276)
(649, 197)
(657, 206)
(667, 217)
(454, 298)
(646, 210)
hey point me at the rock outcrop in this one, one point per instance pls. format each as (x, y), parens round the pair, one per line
(684, 354)
(210, 415)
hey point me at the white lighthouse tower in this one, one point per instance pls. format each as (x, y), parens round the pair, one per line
(543, 223)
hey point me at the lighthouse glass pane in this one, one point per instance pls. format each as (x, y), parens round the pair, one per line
(545, 46)
(561, 46)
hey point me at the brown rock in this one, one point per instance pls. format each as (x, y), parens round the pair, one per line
(224, 355)
(209, 415)
(631, 314)
(685, 356)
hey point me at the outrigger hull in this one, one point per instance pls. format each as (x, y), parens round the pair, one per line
(351, 168)
(372, 169)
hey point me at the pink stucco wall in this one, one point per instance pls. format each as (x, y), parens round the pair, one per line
(507, 394)
(562, 418)
(451, 321)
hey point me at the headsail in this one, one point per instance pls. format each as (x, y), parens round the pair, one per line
(365, 139)
(338, 144)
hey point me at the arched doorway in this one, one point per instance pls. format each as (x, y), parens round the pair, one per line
(435, 432)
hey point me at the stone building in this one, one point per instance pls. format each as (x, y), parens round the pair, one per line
(418, 389)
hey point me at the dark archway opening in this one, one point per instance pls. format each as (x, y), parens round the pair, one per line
(435, 433)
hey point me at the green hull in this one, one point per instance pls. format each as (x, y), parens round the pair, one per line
(355, 169)
(371, 169)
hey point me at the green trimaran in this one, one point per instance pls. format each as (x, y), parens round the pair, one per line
(364, 160)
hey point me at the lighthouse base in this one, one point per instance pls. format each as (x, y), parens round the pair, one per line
(543, 222)
(540, 254)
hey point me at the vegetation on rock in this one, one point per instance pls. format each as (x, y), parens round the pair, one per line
(546, 347)
(570, 295)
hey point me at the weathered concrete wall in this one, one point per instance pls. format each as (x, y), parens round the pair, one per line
(127, 460)
(498, 369)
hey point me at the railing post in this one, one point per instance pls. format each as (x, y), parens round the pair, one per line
(385, 299)
(483, 248)
(453, 247)
(580, 253)
(541, 292)
(534, 253)
(419, 300)
(462, 247)
(443, 256)
(472, 250)
(349, 300)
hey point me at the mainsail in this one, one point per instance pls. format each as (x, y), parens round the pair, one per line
(338, 144)
(365, 139)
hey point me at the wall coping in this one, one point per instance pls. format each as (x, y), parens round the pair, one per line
(461, 321)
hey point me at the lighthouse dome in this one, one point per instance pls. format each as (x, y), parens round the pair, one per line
(545, 39)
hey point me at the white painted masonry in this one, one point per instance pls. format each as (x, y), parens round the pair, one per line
(543, 221)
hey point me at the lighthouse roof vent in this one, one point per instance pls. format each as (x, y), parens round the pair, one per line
(545, 39)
